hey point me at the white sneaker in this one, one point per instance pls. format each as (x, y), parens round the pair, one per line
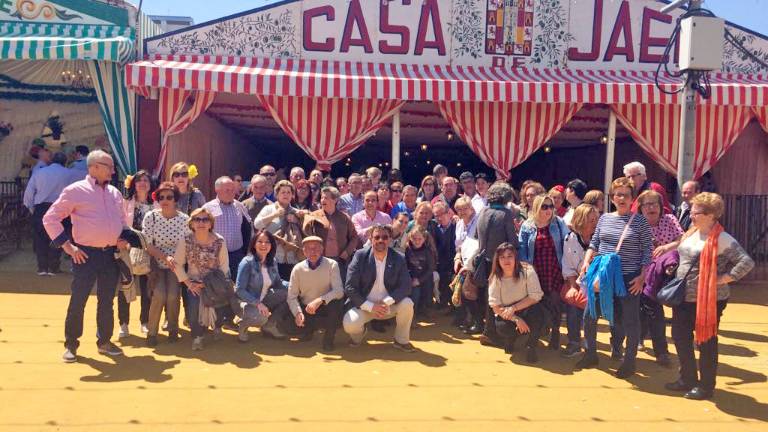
(123, 331)
(144, 328)
(42, 273)
(165, 325)
(197, 344)
(69, 356)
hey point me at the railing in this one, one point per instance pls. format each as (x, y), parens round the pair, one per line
(14, 217)
(746, 219)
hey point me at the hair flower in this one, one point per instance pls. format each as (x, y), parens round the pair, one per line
(192, 171)
(128, 181)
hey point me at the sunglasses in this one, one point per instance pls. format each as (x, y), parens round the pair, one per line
(429, 184)
(395, 190)
(200, 219)
(377, 238)
(547, 207)
(165, 198)
(180, 174)
(268, 174)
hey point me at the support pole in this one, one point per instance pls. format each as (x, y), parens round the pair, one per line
(686, 149)
(610, 153)
(396, 139)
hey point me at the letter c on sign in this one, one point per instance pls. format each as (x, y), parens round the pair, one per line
(309, 14)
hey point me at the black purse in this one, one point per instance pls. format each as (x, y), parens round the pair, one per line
(673, 292)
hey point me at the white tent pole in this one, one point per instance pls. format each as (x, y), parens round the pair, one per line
(396, 139)
(610, 153)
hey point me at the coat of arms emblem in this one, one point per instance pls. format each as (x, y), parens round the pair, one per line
(509, 27)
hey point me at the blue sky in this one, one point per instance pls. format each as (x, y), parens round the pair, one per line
(752, 14)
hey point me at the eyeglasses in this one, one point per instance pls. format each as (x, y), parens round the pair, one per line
(200, 219)
(165, 198)
(382, 238)
(184, 174)
(110, 166)
(634, 175)
(429, 184)
(547, 207)
(268, 174)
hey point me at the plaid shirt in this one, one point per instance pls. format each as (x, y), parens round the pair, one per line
(228, 221)
(545, 262)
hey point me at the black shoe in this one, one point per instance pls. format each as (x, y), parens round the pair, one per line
(570, 351)
(489, 341)
(328, 346)
(152, 341)
(229, 325)
(378, 326)
(587, 362)
(678, 386)
(406, 347)
(625, 371)
(509, 347)
(457, 322)
(663, 360)
(110, 349)
(306, 337)
(616, 355)
(531, 356)
(173, 337)
(698, 393)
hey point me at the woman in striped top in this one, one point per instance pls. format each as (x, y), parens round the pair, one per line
(635, 253)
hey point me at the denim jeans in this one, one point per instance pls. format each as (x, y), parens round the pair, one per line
(193, 315)
(124, 308)
(574, 324)
(626, 317)
(48, 257)
(100, 269)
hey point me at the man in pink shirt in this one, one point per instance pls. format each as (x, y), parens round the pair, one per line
(97, 213)
(370, 215)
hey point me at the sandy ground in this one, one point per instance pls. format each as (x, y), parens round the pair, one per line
(451, 383)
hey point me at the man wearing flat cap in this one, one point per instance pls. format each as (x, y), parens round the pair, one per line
(315, 294)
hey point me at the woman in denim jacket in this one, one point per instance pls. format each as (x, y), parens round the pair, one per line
(259, 288)
(541, 245)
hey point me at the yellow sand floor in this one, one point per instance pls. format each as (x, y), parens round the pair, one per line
(451, 383)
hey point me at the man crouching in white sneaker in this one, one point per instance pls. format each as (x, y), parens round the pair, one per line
(378, 286)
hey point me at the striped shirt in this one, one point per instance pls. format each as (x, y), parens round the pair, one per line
(636, 250)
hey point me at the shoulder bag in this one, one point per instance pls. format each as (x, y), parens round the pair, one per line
(673, 292)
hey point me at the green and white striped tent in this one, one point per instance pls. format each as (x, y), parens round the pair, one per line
(99, 34)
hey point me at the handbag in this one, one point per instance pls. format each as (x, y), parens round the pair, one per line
(573, 296)
(481, 267)
(673, 292)
(139, 260)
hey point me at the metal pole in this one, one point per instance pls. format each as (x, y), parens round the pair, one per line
(610, 153)
(396, 139)
(686, 149)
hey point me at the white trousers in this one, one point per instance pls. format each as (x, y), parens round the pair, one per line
(355, 320)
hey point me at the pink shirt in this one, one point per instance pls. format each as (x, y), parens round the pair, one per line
(98, 214)
(363, 223)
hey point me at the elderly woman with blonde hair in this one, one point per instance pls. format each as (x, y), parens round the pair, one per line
(712, 260)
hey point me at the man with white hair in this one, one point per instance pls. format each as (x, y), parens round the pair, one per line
(635, 172)
(690, 189)
(297, 174)
(352, 202)
(231, 221)
(258, 200)
(98, 217)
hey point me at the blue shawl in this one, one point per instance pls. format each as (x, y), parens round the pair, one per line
(607, 270)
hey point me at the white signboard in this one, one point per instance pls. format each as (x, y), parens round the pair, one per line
(578, 34)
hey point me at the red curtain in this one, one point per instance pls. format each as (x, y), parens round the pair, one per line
(329, 129)
(762, 116)
(173, 118)
(504, 134)
(656, 128)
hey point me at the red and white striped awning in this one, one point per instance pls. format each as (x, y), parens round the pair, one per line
(335, 79)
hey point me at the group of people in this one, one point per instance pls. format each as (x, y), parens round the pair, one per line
(301, 255)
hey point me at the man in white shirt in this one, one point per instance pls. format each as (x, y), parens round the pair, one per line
(378, 286)
(574, 194)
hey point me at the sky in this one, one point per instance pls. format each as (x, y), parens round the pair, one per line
(752, 14)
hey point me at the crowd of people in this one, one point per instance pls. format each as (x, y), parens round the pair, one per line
(302, 255)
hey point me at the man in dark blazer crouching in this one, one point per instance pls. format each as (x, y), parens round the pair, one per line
(378, 286)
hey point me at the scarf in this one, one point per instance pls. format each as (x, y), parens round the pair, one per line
(706, 291)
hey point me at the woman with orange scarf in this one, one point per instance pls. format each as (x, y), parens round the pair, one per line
(717, 260)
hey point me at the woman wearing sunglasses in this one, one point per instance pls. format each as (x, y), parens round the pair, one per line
(541, 245)
(164, 228)
(190, 197)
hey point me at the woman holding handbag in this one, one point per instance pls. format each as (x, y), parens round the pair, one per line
(621, 248)
(138, 202)
(583, 222)
(666, 237)
(711, 259)
(541, 245)
(163, 228)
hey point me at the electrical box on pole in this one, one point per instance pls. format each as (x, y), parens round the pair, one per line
(701, 43)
